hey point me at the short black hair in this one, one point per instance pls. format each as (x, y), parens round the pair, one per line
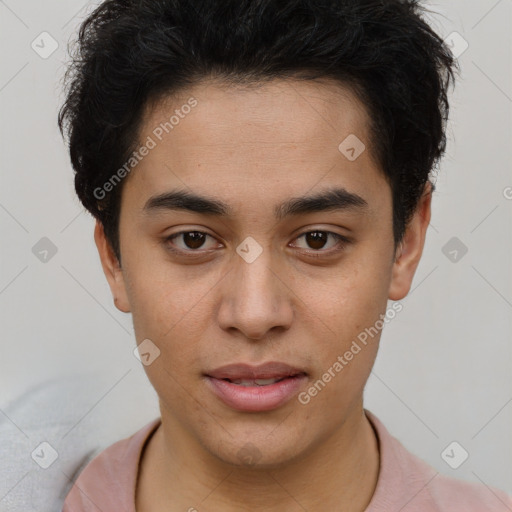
(132, 52)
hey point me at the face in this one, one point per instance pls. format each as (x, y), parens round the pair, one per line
(258, 271)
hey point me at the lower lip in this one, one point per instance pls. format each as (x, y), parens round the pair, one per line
(256, 398)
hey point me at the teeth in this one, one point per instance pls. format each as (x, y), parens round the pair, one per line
(252, 382)
(265, 382)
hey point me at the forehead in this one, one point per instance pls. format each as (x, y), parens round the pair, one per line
(270, 139)
(301, 112)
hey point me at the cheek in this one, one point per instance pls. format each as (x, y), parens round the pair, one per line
(347, 324)
(172, 308)
(168, 311)
(161, 294)
(350, 300)
(344, 354)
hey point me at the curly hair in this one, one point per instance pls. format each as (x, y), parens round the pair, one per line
(132, 52)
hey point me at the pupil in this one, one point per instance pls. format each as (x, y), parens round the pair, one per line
(195, 241)
(313, 239)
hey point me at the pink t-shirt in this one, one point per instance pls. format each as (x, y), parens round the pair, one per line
(405, 483)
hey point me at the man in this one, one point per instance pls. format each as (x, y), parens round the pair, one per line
(259, 172)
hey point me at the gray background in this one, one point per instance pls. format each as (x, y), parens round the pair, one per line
(68, 375)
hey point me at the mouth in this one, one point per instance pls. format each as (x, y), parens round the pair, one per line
(264, 372)
(256, 388)
(257, 382)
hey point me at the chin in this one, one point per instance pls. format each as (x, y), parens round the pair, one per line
(257, 454)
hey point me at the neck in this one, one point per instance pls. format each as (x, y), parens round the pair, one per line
(339, 474)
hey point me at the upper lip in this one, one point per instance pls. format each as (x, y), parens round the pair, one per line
(271, 370)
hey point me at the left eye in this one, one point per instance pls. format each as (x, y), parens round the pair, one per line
(194, 240)
(317, 239)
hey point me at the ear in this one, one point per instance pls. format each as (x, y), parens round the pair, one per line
(408, 253)
(112, 269)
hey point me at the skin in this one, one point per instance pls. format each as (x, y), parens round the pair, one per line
(254, 148)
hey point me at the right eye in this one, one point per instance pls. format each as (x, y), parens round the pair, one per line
(192, 241)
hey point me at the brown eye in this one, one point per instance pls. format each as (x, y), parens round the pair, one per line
(317, 240)
(191, 240)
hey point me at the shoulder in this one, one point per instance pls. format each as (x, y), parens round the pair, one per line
(108, 481)
(448, 492)
(409, 484)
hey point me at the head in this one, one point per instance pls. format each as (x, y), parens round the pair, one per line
(312, 127)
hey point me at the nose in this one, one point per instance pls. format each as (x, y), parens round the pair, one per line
(256, 300)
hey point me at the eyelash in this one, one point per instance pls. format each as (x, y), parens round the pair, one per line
(343, 241)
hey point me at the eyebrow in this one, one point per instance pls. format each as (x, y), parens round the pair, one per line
(327, 200)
